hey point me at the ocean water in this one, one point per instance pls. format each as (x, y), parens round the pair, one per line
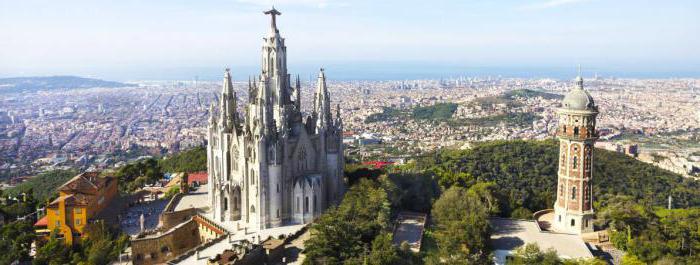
(386, 71)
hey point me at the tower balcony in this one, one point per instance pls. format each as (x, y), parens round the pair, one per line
(577, 133)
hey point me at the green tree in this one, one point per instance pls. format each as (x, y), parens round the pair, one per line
(521, 213)
(341, 234)
(333, 239)
(15, 241)
(630, 259)
(531, 254)
(461, 227)
(42, 187)
(383, 251)
(191, 160)
(53, 252)
(525, 173)
(487, 192)
(622, 213)
(411, 191)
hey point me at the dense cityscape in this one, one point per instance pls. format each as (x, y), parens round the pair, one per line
(102, 127)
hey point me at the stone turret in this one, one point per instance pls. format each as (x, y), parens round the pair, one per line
(322, 104)
(229, 115)
(573, 209)
(297, 94)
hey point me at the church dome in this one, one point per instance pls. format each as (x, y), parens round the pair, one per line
(578, 98)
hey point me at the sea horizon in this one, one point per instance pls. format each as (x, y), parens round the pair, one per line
(369, 71)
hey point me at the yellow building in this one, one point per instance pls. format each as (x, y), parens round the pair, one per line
(79, 201)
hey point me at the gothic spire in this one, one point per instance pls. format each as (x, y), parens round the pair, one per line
(227, 89)
(322, 104)
(212, 113)
(297, 94)
(228, 101)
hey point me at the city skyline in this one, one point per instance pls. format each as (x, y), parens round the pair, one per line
(173, 40)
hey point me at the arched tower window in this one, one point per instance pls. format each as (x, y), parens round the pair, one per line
(573, 193)
(306, 204)
(576, 131)
(252, 209)
(574, 164)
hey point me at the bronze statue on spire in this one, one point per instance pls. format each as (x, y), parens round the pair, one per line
(274, 13)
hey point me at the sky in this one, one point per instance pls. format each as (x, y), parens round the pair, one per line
(373, 39)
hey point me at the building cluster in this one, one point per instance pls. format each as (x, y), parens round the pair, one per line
(100, 127)
(80, 201)
(96, 128)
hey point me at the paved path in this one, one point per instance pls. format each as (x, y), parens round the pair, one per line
(409, 229)
(225, 244)
(130, 223)
(195, 199)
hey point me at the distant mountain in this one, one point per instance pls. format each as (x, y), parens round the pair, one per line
(33, 84)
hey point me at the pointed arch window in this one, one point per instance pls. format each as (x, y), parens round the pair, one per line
(234, 154)
(302, 159)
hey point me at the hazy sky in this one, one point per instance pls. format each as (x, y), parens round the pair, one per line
(100, 38)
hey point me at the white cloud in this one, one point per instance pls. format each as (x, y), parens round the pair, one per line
(551, 4)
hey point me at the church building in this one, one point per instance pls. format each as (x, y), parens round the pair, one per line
(272, 165)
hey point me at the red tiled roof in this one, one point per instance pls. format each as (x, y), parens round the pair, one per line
(73, 200)
(44, 221)
(202, 177)
(87, 182)
(377, 164)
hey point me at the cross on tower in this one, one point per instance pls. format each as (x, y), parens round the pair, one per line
(274, 13)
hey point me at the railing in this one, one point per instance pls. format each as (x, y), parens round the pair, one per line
(218, 229)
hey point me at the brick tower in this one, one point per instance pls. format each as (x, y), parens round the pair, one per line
(573, 209)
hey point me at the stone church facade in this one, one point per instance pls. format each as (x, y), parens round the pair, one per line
(573, 209)
(273, 165)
